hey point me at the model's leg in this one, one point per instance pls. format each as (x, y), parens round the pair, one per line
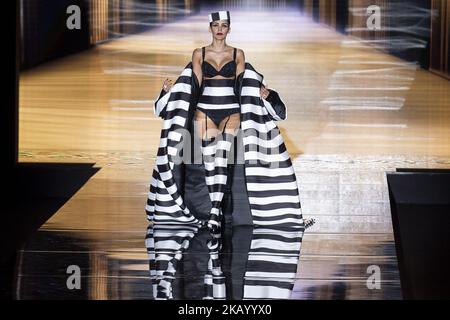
(218, 167)
(207, 130)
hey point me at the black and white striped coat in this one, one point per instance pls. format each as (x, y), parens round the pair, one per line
(270, 179)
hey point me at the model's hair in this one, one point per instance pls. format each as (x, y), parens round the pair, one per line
(228, 21)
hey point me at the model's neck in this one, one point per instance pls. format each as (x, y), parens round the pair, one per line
(218, 45)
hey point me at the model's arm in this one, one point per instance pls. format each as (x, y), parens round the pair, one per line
(197, 64)
(264, 91)
(240, 61)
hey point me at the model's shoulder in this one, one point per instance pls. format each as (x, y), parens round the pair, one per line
(240, 53)
(197, 55)
(197, 52)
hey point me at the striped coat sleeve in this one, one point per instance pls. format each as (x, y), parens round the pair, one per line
(271, 182)
(165, 203)
(275, 106)
(161, 103)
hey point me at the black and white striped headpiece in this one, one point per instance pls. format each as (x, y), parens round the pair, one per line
(220, 15)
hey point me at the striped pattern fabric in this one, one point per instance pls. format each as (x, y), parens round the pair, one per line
(215, 288)
(216, 153)
(272, 263)
(218, 94)
(219, 15)
(165, 204)
(165, 246)
(271, 183)
(269, 271)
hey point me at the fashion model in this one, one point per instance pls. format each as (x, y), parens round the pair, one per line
(221, 157)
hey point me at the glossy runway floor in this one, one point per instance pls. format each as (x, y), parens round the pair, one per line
(354, 113)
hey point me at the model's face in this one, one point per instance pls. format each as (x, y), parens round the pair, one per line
(220, 29)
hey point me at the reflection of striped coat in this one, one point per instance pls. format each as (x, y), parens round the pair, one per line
(259, 263)
(270, 179)
(271, 267)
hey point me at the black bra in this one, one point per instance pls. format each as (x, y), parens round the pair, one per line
(228, 69)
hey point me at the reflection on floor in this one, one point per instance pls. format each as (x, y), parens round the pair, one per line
(239, 263)
(344, 131)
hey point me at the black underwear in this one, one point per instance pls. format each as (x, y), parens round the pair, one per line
(218, 115)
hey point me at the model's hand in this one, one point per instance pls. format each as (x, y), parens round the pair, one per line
(264, 92)
(167, 85)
